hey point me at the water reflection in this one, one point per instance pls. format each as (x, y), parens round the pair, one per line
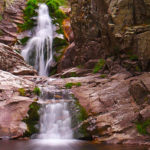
(63, 145)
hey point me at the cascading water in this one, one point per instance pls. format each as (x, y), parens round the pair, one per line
(38, 51)
(55, 120)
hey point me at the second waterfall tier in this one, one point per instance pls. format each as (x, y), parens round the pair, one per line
(38, 51)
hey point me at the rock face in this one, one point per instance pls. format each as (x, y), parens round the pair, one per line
(103, 27)
(11, 15)
(13, 107)
(13, 62)
(93, 38)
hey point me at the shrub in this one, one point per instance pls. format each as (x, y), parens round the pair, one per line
(37, 91)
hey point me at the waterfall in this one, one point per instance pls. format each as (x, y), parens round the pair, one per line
(38, 51)
(55, 120)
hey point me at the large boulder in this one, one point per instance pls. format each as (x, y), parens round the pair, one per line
(97, 25)
(14, 105)
(13, 62)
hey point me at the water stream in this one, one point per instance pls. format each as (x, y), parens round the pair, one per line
(55, 120)
(38, 51)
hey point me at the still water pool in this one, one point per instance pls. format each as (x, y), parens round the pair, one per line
(63, 145)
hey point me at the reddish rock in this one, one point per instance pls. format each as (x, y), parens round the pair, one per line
(13, 107)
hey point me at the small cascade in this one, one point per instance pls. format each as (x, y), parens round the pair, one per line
(38, 51)
(55, 119)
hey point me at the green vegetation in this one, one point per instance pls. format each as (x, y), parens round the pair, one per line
(72, 74)
(70, 85)
(103, 75)
(138, 69)
(133, 57)
(99, 66)
(32, 119)
(1, 17)
(37, 91)
(142, 127)
(83, 114)
(22, 92)
(30, 12)
(59, 44)
(1, 32)
(79, 115)
(24, 40)
(53, 71)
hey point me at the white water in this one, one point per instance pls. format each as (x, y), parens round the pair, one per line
(38, 51)
(55, 120)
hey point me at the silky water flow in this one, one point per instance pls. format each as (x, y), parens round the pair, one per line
(38, 51)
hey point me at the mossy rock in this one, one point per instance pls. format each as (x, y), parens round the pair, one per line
(142, 127)
(32, 119)
(100, 65)
(78, 116)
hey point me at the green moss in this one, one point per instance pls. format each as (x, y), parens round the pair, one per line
(70, 85)
(138, 69)
(1, 17)
(24, 40)
(53, 71)
(133, 57)
(1, 32)
(99, 66)
(72, 74)
(103, 75)
(22, 92)
(59, 44)
(83, 114)
(32, 119)
(37, 91)
(79, 115)
(142, 127)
